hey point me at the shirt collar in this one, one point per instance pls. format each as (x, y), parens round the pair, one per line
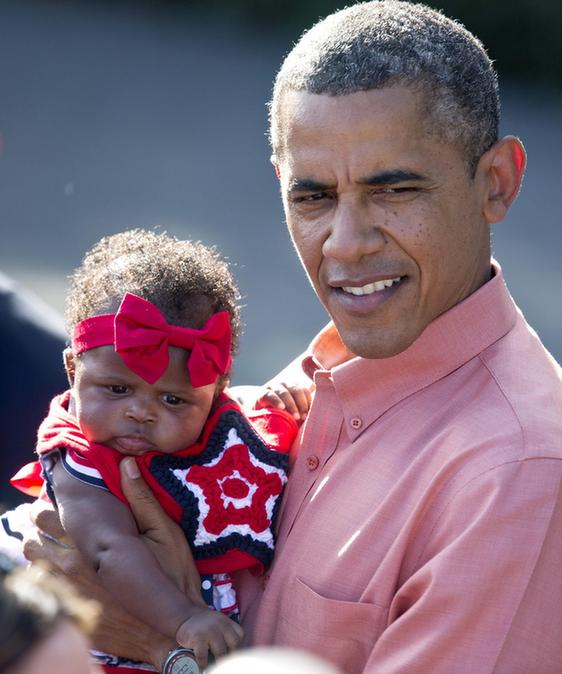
(367, 388)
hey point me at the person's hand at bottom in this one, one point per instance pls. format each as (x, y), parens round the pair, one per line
(207, 630)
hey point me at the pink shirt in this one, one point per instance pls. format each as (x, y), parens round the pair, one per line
(421, 530)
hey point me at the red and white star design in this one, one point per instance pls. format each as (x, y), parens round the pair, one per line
(235, 492)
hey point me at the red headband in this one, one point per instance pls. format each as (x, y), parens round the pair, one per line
(141, 337)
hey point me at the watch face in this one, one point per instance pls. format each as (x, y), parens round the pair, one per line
(181, 662)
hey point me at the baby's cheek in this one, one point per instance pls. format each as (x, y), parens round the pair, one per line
(175, 434)
(94, 423)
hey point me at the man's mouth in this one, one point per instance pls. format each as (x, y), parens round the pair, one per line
(370, 288)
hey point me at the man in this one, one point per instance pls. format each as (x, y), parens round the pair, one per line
(420, 531)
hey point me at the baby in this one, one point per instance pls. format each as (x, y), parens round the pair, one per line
(154, 323)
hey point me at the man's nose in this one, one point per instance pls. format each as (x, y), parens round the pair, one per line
(141, 410)
(354, 232)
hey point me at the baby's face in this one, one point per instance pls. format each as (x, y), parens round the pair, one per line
(116, 407)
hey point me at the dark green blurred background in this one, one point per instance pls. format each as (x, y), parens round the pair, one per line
(524, 37)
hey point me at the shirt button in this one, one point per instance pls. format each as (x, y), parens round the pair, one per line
(356, 423)
(312, 462)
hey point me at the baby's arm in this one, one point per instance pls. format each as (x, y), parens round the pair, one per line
(106, 534)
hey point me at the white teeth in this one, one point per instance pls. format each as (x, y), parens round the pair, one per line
(370, 288)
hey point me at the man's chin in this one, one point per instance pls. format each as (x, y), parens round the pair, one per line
(374, 344)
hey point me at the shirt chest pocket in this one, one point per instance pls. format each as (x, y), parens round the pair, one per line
(341, 631)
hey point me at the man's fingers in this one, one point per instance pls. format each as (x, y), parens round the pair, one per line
(294, 399)
(234, 636)
(46, 518)
(62, 559)
(147, 511)
(301, 398)
(270, 398)
(200, 648)
(218, 645)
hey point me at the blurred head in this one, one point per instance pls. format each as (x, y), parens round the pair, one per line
(273, 660)
(384, 132)
(43, 626)
(188, 284)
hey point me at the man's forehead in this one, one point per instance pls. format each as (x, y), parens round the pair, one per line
(354, 114)
(298, 106)
(378, 131)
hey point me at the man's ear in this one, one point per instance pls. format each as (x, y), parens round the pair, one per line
(69, 365)
(501, 168)
(273, 159)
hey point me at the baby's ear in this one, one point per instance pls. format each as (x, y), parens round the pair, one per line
(69, 365)
(222, 382)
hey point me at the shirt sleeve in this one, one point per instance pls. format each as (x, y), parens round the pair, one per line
(485, 592)
(75, 464)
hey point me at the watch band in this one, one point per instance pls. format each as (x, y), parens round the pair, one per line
(180, 661)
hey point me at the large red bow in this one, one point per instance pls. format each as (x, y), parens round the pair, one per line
(142, 337)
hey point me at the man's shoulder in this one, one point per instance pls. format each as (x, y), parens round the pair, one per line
(528, 382)
(503, 406)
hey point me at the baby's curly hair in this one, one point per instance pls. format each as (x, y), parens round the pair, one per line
(186, 280)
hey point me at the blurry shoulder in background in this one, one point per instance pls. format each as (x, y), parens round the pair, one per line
(32, 339)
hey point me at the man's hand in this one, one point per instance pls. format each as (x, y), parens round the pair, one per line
(162, 535)
(207, 630)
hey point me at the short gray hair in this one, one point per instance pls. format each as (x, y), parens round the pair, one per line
(376, 44)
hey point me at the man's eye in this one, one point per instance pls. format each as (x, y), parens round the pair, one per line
(309, 198)
(394, 191)
(118, 389)
(173, 400)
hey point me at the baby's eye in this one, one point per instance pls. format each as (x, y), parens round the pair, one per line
(173, 400)
(118, 389)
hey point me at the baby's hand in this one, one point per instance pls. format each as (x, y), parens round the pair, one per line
(209, 630)
(292, 398)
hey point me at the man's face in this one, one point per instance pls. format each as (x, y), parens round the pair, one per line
(385, 217)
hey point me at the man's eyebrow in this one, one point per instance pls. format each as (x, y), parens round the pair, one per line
(382, 178)
(307, 185)
(391, 177)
